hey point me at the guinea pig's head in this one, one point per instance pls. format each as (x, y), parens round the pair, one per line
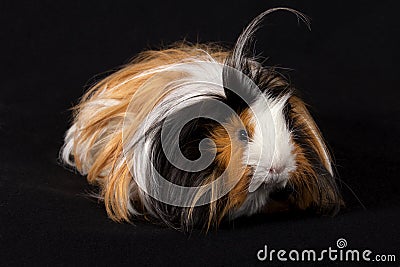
(273, 138)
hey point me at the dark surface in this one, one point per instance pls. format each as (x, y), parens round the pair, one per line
(347, 70)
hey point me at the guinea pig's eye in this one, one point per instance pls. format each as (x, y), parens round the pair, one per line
(243, 136)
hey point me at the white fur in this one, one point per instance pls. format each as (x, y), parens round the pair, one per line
(270, 148)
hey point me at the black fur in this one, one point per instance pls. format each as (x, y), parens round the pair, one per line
(190, 136)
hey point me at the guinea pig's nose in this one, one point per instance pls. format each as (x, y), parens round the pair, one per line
(276, 169)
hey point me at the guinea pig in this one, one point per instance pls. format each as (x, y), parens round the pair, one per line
(196, 134)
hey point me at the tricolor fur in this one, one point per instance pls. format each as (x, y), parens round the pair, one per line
(295, 161)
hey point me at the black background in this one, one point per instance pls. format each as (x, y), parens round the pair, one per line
(346, 68)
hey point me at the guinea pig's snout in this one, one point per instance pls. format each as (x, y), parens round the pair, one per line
(274, 176)
(277, 175)
(276, 169)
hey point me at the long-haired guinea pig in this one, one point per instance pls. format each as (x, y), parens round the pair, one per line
(194, 135)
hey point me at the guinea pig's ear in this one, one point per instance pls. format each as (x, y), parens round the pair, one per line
(313, 180)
